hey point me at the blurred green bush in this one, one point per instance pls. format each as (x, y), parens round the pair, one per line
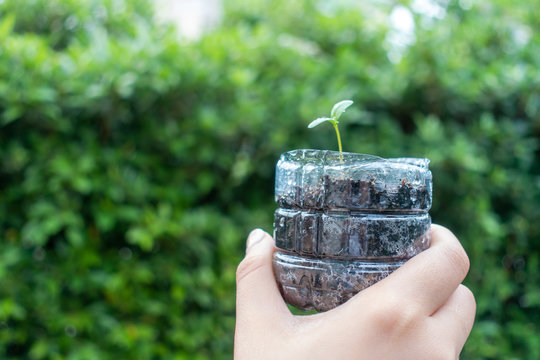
(132, 165)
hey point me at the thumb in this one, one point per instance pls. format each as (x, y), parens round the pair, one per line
(257, 294)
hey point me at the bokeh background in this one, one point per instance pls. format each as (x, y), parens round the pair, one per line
(138, 142)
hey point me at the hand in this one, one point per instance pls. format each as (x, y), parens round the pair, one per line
(421, 311)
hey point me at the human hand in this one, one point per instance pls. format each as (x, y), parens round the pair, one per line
(421, 311)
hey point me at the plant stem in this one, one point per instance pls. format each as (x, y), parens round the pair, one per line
(338, 141)
(338, 137)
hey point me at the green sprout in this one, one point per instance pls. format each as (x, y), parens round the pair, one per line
(335, 114)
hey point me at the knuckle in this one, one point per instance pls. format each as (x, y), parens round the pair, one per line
(453, 250)
(406, 319)
(441, 231)
(459, 259)
(396, 317)
(468, 294)
(249, 265)
(467, 311)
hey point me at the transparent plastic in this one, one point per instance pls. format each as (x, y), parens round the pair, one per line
(321, 179)
(366, 236)
(345, 222)
(322, 284)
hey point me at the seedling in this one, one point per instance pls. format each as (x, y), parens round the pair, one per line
(335, 114)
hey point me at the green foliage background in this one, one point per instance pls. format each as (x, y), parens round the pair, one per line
(132, 164)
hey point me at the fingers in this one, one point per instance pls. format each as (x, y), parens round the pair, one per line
(456, 317)
(257, 295)
(261, 313)
(426, 281)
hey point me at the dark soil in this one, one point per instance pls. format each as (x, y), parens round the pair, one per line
(351, 235)
(358, 195)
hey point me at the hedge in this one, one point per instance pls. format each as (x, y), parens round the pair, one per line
(134, 163)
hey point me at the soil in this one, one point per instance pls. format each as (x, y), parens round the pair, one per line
(350, 234)
(358, 195)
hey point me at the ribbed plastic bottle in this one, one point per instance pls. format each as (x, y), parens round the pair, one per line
(346, 221)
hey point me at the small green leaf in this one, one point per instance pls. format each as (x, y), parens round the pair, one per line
(318, 121)
(340, 108)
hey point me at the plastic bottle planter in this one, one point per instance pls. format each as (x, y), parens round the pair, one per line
(345, 222)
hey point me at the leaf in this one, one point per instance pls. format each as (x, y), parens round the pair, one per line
(6, 25)
(340, 108)
(318, 121)
(11, 114)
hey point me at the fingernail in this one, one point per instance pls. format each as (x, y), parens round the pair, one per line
(254, 238)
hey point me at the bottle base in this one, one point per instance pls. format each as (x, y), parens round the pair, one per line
(323, 283)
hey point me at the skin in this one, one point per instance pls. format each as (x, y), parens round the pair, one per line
(421, 311)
